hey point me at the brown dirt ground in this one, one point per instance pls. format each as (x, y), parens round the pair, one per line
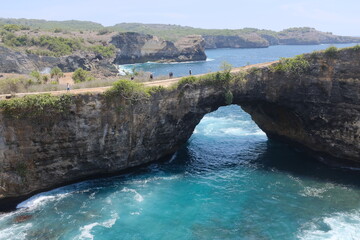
(164, 83)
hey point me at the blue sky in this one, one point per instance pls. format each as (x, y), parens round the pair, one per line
(339, 17)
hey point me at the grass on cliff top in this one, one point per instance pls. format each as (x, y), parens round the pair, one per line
(297, 65)
(332, 51)
(55, 46)
(34, 106)
(131, 91)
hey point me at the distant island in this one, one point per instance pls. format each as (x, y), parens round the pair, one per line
(27, 44)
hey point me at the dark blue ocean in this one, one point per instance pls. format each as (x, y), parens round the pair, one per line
(227, 182)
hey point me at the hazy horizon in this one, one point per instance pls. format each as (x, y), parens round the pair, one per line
(326, 16)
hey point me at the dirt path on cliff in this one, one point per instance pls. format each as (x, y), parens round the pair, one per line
(164, 83)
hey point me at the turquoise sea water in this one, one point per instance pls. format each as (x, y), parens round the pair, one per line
(236, 57)
(228, 182)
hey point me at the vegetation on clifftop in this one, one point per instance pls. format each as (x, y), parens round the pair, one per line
(297, 65)
(48, 44)
(34, 106)
(131, 91)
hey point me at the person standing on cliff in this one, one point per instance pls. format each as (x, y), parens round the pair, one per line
(190, 72)
(171, 74)
(67, 87)
(151, 76)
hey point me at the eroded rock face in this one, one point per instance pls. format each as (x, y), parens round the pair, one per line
(138, 48)
(318, 109)
(248, 41)
(297, 36)
(16, 62)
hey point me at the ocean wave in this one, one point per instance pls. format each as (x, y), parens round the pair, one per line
(338, 227)
(137, 196)
(220, 126)
(15, 232)
(315, 192)
(126, 69)
(152, 179)
(85, 231)
(41, 199)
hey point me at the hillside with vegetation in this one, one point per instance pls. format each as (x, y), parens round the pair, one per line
(32, 47)
(303, 35)
(71, 25)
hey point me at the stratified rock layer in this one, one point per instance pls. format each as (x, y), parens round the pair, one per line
(318, 109)
(137, 48)
(16, 62)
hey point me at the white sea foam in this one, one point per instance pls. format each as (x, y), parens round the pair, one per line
(126, 69)
(15, 232)
(41, 199)
(315, 192)
(137, 196)
(220, 126)
(340, 226)
(152, 179)
(135, 213)
(85, 231)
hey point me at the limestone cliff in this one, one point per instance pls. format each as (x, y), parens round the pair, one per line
(312, 101)
(137, 48)
(130, 48)
(247, 41)
(12, 61)
(259, 38)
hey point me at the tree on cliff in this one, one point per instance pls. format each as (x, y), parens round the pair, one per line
(56, 73)
(81, 75)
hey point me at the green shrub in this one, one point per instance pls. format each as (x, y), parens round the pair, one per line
(155, 89)
(56, 73)
(36, 75)
(331, 52)
(104, 31)
(34, 106)
(12, 40)
(14, 27)
(45, 78)
(187, 80)
(50, 46)
(128, 90)
(14, 85)
(105, 51)
(296, 65)
(219, 79)
(81, 75)
(355, 48)
(225, 66)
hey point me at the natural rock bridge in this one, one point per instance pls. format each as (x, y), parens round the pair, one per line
(312, 101)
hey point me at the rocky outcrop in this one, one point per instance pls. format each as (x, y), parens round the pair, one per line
(131, 48)
(318, 110)
(316, 107)
(247, 41)
(138, 48)
(292, 36)
(16, 62)
(305, 36)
